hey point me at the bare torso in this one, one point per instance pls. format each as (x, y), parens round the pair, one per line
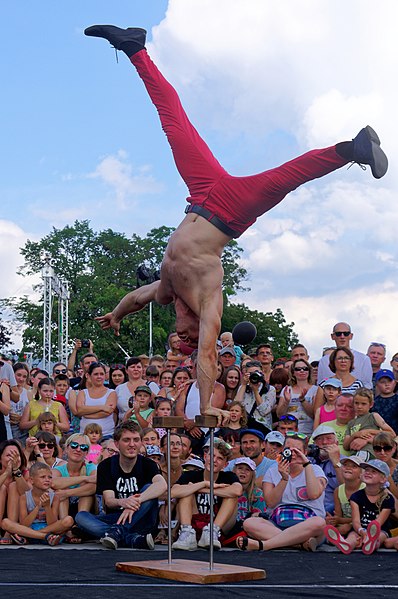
(191, 273)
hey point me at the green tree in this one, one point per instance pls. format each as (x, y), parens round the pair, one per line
(5, 337)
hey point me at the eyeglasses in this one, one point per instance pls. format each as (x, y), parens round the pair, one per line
(48, 445)
(111, 451)
(83, 447)
(342, 333)
(301, 369)
(294, 435)
(118, 367)
(343, 359)
(383, 448)
(288, 417)
(60, 371)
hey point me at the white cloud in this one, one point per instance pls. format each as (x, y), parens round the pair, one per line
(125, 182)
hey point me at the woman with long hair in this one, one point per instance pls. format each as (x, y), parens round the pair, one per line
(97, 403)
(179, 380)
(13, 482)
(125, 391)
(298, 396)
(230, 378)
(44, 403)
(117, 376)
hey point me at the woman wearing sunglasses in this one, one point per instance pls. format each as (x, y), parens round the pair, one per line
(295, 491)
(297, 398)
(43, 447)
(75, 480)
(384, 448)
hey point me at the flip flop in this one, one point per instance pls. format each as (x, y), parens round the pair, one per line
(18, 539)
(333, 536)
(54, 539)
(242, 543)
(372, 538)
(5, 541)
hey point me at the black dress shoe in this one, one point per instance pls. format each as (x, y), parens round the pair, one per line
(367, 150)
(129, 41)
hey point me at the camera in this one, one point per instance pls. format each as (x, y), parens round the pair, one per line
(131, 402)
(313, 451)
(286, 454)
(86, 343)
(256, 377)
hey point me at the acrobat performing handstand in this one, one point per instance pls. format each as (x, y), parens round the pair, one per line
(220, 207)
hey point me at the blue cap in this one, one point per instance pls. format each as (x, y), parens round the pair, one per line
(252, 431)
(377, 465)
(384, 373)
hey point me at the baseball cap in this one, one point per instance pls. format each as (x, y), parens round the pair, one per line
(275, 437)
(153, 450)
(332, 382)
(352, 458)
(194, 462)
(377, 465)
(323, 429)
(227, 350)
(144, 388)
(384, 373)
(252, 431)
(248, 461)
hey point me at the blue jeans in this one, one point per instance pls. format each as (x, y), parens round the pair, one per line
(143, 521)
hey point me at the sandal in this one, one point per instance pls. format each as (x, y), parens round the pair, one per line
(54, 539)
(5, 541)
(372, 538)
(18, 539)
(333, 536)
(242, 543)
(310, 545)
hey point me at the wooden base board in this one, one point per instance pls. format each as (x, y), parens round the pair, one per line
(191, 571)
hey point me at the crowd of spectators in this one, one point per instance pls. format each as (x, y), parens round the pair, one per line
(308, 456)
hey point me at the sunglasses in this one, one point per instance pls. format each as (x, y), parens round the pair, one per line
(377, 344)
(117, 366)
(383, 447)
(294, 435)
(288, 417)
(342, 333)
(218, 441)
(83, 447)
(301, 369)
(48, 445)
(60, 371)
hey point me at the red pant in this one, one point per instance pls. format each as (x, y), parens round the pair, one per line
(237, 201)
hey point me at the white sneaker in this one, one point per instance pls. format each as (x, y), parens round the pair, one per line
(205, 538)
(108, 542)
(186, 539)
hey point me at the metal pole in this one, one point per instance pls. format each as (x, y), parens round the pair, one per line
(168, 497)
(211, 562)
(150, 331)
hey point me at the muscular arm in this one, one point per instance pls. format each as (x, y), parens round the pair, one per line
(131, 303)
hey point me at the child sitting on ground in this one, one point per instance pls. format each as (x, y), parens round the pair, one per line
(351, 471)
(94, 433)
(365, 425)
(38, 512)
(371, 510)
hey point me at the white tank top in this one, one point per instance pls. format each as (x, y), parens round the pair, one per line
(107, 424)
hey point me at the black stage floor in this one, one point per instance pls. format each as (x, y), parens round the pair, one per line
(89, 572)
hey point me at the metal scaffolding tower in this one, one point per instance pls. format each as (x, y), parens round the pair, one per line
(54, 287)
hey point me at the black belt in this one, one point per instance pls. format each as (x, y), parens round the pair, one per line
(212, 218)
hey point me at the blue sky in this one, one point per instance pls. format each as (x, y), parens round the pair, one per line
(262, 81)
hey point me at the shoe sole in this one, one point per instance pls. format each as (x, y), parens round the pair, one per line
(216, 545)
(333, 535)
(371, 540)
(108, 543)
(380, 160)
(150, 542)
(190, 548)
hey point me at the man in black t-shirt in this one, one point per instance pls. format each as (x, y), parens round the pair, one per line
(130, 485)
(193, 492)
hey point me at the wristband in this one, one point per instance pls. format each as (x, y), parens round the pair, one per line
(306, 464)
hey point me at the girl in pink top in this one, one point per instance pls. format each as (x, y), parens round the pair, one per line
(325, 413)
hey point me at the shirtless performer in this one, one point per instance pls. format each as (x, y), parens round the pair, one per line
(220, 208)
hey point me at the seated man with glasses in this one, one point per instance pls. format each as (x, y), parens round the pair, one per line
(342, 336)
(326, 454)
(193, 492)
(294, 488)
(130, 485)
